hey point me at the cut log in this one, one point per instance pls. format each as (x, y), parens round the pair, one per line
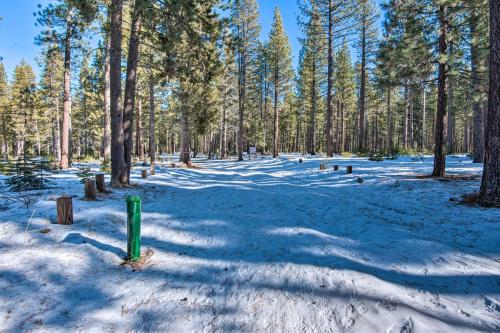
(90, 190)
(144, 174)
(336, 168)
(349, 169)
(64, 210)
(99, 181)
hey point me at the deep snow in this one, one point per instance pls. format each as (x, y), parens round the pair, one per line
(260, 246)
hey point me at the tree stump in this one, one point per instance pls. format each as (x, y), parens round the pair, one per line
(144, 174)
(90, 190)
(300, 160)
(99, 181)
(349, 169)
(64, 210)
(336, 168)
(173, 165)
(322, 166)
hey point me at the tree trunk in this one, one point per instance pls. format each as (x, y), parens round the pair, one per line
(440, 133)
(185, 153)
(106, 140)
(329, 106)
(118, 166)
(477, 112)
(424, 115)
(314, 108)
(390, 128)
(100, 183)
(90, 190)
(223, 129)
(451, 116)
(64, 162)
(489, 194)
(130, 84)
(362, 92)
(407, 111)
(139, 140)
(152, 137)
(64, 210)
(241, 101)
(276, 117)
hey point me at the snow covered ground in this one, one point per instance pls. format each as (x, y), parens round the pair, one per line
(260, 246)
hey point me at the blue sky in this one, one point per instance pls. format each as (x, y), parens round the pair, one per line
(18, 30)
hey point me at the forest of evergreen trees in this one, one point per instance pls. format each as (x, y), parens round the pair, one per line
(130, 80)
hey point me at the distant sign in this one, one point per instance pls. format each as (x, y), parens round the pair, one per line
(253, 150)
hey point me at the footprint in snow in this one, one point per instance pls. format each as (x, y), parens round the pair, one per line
(389, 304)
(491, 305)
(349, 319)
(404, 327)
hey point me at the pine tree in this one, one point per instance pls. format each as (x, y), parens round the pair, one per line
(281, 72)
(345, 86)
(5, 115)
(246, 29)
(23, 105)
(367, 18)
(489, 194)
(311, 71)
(65, 22)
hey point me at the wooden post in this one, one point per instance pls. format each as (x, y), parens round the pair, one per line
(99, 181)
(90, 192)
(144, 174)
(349, 169)
(152, 171)
(336, 168)
(322, 166)
(64, 210)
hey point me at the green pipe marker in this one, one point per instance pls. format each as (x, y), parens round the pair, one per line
(134, 227)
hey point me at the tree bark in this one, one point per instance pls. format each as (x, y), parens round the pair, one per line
(477, 112)
(451, 116)
(489, 194)
(406, 116)
(276, 116)
(440, 133)
(329, 106)
(90, 190)
(100, 183)
(152, 137)
(118, 166)
(424, 115)
(139, 140)
(130, 84)
(185, 153)
(64, 210)
(223, 129)
(106, 140)
(362, 92)
(312, 149)
(64, 162)
(390, 133)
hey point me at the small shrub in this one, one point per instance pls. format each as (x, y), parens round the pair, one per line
(377, 157)
(106, 166)
(84, 173)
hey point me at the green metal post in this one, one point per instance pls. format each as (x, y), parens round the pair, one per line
(134, 228)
